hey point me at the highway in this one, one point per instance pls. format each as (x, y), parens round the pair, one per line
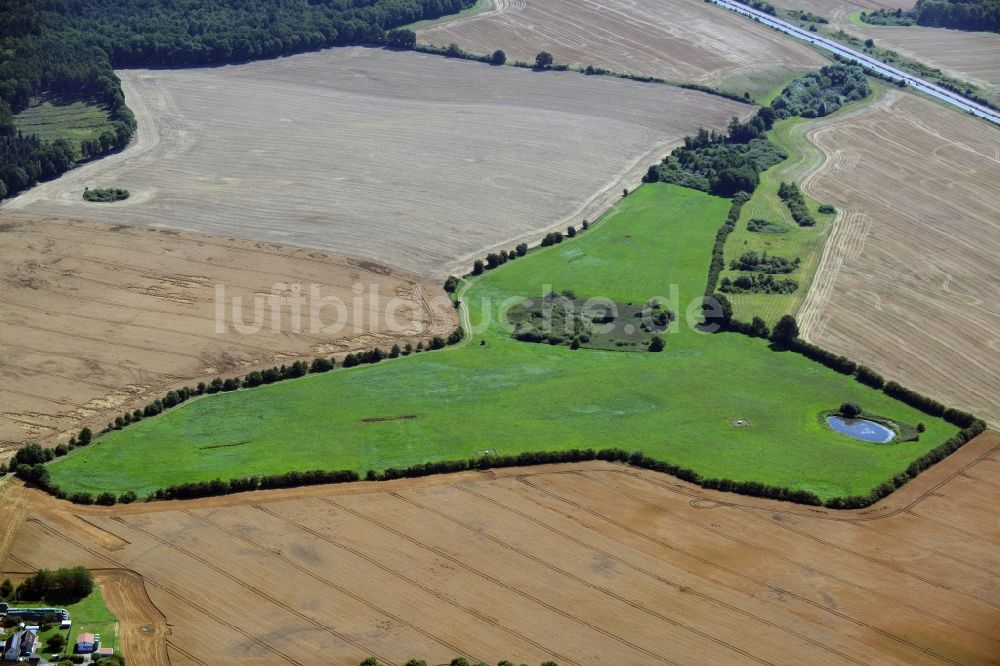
(846, 53)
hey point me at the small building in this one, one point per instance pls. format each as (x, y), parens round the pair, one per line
(105, 652)
(65, 624)
(85, 642)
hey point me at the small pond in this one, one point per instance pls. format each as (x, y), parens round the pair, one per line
(868, 431)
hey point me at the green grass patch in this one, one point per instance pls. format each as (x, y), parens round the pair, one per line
(803, 242)
(678, 405)
(89, 615)
(763, 83)
(478, 8)
(54, 119)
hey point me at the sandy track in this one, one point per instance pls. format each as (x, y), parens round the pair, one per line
(412, 160)
(97, 318)
(907, 282)
(673, 39)
(589, 563)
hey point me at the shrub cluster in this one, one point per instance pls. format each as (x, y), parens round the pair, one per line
(724, 164)
(764, 263)
(792, 196)
(819, 94)
(758, 283)
(105, 195)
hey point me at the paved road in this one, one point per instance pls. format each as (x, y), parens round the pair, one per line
(954, 99)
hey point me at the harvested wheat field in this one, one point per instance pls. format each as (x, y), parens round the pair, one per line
(969, 56)
(908, 281)
(585, 564)
(99, 318)
(682, 40)
(412, 160)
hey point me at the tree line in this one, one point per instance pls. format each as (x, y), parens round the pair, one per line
(60, 586)
(457, 661)
(29, 462)
(724, 164)
(68, 50)
(976, 15)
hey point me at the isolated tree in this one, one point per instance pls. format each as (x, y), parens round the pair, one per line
(56, 643)
(543, 60)
(869, 43)
(498, 57)
(395, 351)
(85, 436)
(401, 38)
(758, 328)
(477, 267)
(570, 231)
(850, 410)
(785, 330)
(453, 51)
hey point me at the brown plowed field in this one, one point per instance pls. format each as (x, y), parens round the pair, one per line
(416, 161)
(96, 318)
(907, 284)
(584, 564)
(682, 40)
(969, 56)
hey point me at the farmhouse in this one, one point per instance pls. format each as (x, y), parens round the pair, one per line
(85, 642)
(20, 644)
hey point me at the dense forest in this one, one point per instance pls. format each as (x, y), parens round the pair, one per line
(67, 49)
(725, 164)
(981, 15)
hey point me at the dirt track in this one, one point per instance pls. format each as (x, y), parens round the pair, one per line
(97, 318)
(585, 564)
(907, 283)
(683, 40)
(415, 161)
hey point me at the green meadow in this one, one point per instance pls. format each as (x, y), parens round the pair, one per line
(73, 121)
(679, 405)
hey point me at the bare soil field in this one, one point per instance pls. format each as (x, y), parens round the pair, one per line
(908, 281)
(681, 40)
(969, 56)
(411, 160)
(584, 564)
(99, 318)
